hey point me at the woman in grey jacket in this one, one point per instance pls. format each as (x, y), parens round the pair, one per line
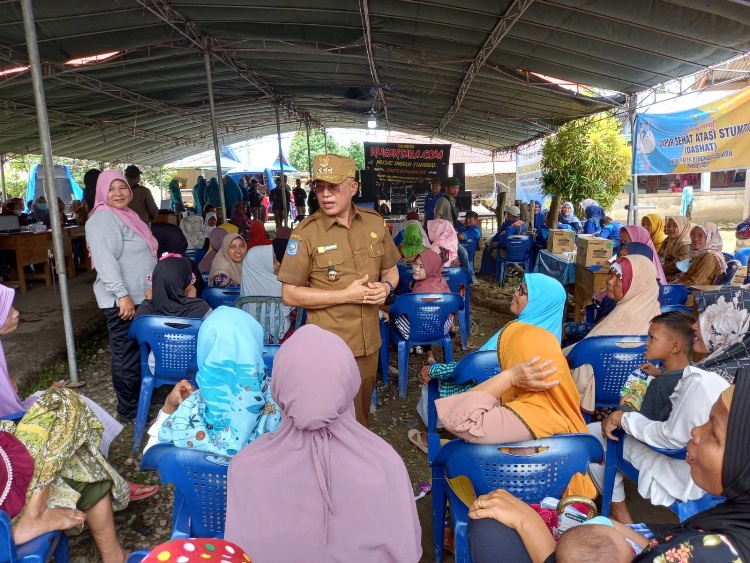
(123, 252)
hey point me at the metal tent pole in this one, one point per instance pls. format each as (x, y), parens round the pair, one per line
(309, 159)
(214, 131)
(633, 207)
(49, 184)
(2, 176)
(282, 183)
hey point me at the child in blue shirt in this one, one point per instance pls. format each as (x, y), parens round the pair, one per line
(610, 230)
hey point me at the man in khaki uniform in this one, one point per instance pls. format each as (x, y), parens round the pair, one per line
(340, 264)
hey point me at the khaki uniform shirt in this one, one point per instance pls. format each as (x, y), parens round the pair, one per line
(364, 248)
(143, 203)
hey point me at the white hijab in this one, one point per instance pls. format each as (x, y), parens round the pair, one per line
(207, 229)
(258, 279)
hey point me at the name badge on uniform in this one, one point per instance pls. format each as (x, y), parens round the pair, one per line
(327, 247)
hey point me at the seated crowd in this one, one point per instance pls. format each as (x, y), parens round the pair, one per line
(306, 481)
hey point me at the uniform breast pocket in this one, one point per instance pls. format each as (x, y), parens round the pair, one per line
(376, 249)
(330, 258)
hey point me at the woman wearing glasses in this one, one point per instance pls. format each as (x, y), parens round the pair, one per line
(538, 300)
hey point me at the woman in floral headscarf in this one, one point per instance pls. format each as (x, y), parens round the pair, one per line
(232, 405)
(707, 263)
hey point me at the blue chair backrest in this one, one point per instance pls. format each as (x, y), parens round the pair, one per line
(478, 366)
(427, 313)
(262, 308)
(732, 267)
(405, 277)
(218, 296)
(195, 254)
(518, 248)
(613, 359)
(671, 308)
(456, 277)
(38, 550)
(673, 294)
(173, 340)
(529, 477)
(269, 353)
(200, 481)
(742, 255)
(7, 545)
(728, 256)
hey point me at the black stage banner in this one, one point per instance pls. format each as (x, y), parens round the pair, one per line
(405, 164)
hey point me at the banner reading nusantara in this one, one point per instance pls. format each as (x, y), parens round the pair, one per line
(714, 136)
(406, 163)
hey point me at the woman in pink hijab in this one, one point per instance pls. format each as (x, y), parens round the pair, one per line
(444, 240)
(123, 252)
(639, 234)
(322, 487)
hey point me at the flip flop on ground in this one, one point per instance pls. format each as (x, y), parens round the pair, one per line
(140, 492)
(418, 438)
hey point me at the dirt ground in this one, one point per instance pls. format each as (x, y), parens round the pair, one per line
(39, 341)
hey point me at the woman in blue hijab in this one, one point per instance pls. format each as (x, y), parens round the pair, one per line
(544, 306)
(567, 216)
(594, 214)
(539, 300)
(199, 195)
(232, 194)
(212, 194)
(232, 405)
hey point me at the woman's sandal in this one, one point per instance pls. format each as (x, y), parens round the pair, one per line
(146, 491)
(415, 437)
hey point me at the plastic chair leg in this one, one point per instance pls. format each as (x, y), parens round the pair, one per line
(61, 553)
(439, 498)
(403, 368)
(447, 349)
(144, 401)
(374, 398)
(463, 327)
(610, 471)
(384, 352)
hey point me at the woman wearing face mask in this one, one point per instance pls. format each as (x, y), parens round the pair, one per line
(123, 252)
(40, 210)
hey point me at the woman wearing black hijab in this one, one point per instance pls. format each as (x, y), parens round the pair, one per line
(172, 291)
(172, 240)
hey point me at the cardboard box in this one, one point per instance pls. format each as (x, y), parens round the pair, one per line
(594, 251)
(739, 276)
(561, 240)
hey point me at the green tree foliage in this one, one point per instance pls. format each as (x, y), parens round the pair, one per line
(298, 149)
(586, 158)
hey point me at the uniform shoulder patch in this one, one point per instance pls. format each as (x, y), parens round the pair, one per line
(292, 247)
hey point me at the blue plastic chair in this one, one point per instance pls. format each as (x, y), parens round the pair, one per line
(673, 294)
(218, 296)
(457, 277)
(728, 256)
(385, 343)
(613, 359)
(195, 254)
(615, 460)
(259, 307)
(137, 556)
(742, 255)
(732, 267)
(488, 467)
(174, 341)
(269, 353)
(405, 277)
(518, 252)
(38, 550)
(471, 246)
(200, 488)
(428, 313)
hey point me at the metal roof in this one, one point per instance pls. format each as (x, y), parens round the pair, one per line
(463, 70)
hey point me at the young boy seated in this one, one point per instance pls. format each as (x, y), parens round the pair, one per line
(599, 539)
(661, 478)
(610, 230)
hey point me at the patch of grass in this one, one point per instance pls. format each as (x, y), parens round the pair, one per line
(87, 346)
